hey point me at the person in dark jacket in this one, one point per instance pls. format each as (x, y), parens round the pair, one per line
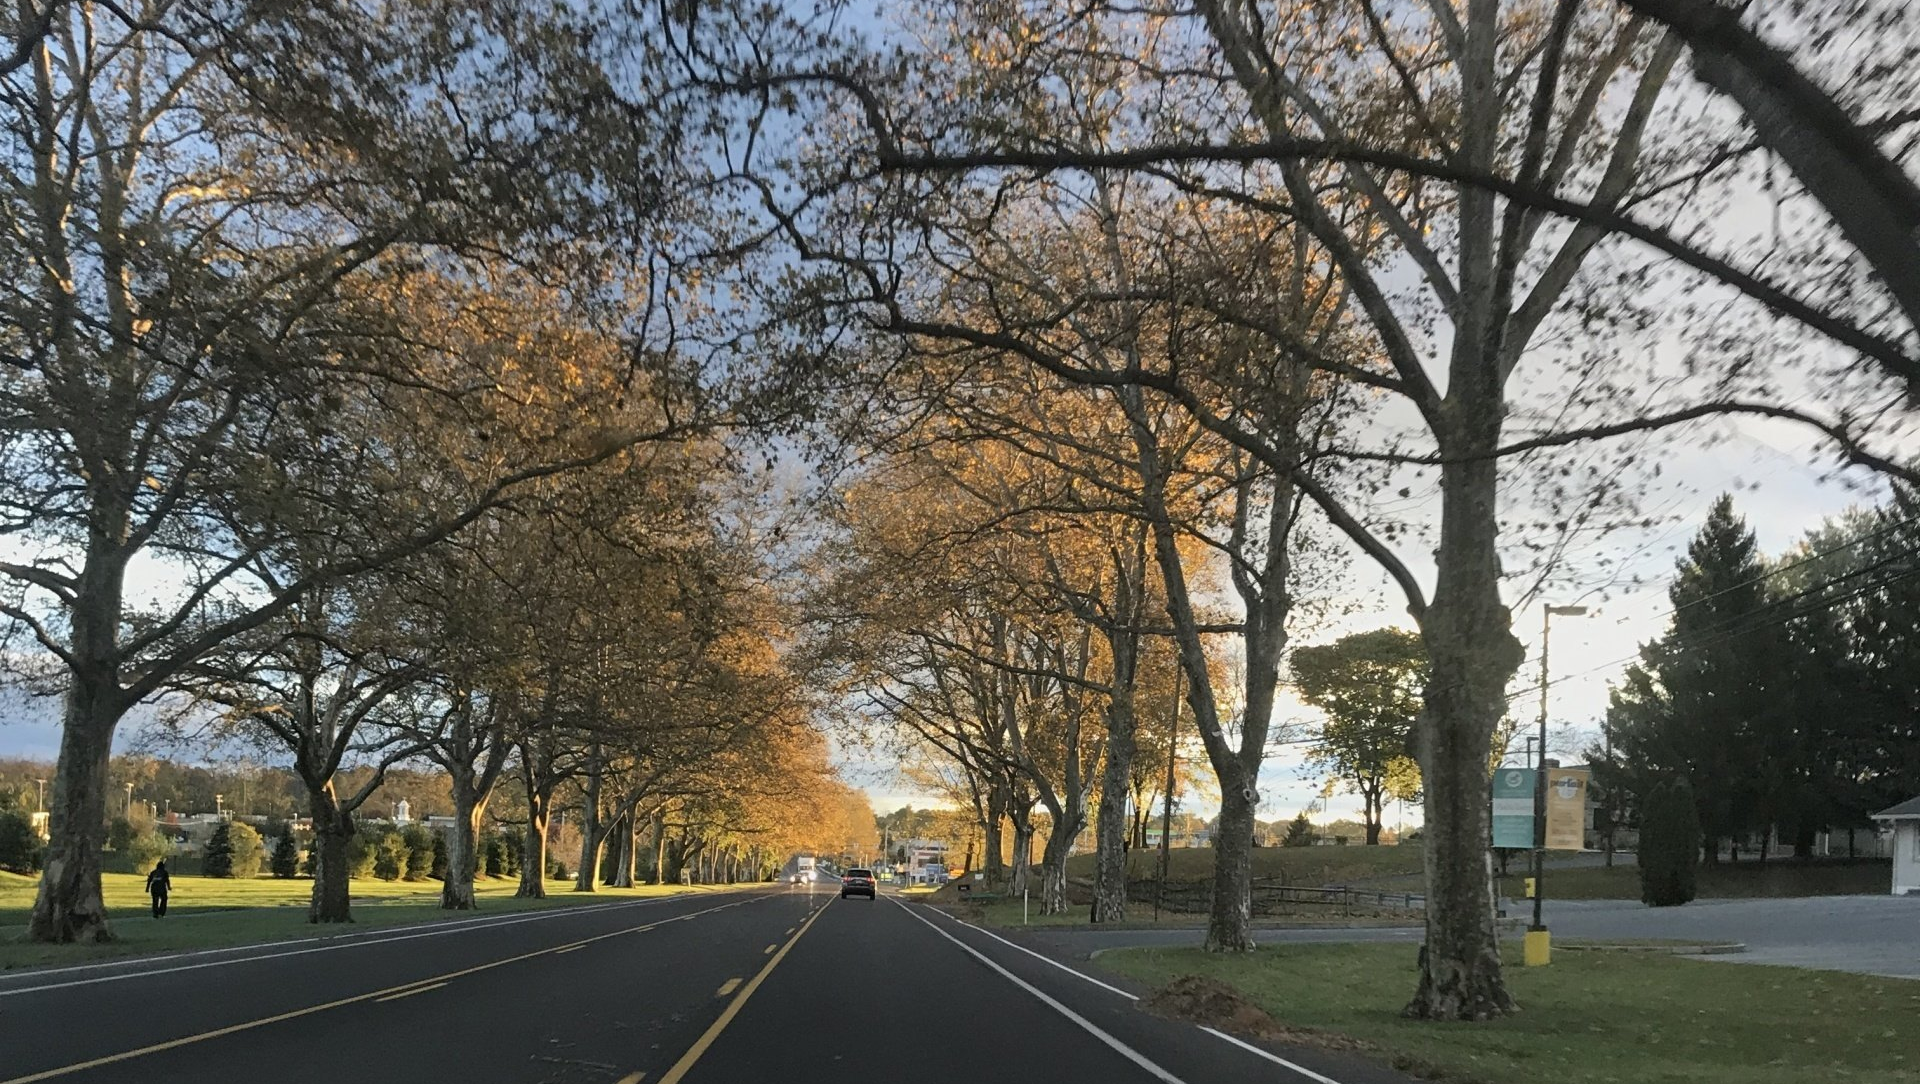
(159, 883)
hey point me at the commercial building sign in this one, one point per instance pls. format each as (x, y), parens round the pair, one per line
(1513, 807)
(1567, 808)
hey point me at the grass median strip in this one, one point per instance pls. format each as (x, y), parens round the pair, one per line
(1590, 1018)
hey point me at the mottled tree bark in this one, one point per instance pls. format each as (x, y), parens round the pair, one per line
(533, 861)
(69, 906)
(332, 830)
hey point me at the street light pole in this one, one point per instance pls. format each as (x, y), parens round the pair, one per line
(40, 798)
(1538, 943)
(1166, 809)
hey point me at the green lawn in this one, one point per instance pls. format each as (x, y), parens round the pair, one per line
(1297, 865)
(208, 913)
(1004, 912)
(1590, 1018)
(1778, 878)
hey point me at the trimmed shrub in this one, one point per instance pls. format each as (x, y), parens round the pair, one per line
(146, 848)
(120, 833)
(20, 849)
(389, 856)
(360, 854)
(234, 851)
(420, 851)
(496, 860)
(1669, 845)
(438, 871)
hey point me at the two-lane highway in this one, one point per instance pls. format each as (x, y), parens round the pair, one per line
(786, 984)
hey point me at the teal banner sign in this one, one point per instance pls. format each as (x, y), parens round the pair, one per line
(1513, 807)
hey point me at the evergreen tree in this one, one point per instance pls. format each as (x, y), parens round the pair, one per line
(1299, 832)
(1669, 845)
(1885, 633)
(217, 860)
(496, 857)
(438, 869)
(286, 855)
(421, 851)
(389, 857)
(1710, 700)
(19, 845)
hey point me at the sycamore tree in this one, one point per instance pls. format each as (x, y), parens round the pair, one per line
(204, 200)
(1486, 156)
(1367, 686)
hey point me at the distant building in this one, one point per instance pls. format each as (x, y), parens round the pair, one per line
(1904, 820)
(38, 821)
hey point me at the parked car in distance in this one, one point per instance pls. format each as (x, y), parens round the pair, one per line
(857, 882)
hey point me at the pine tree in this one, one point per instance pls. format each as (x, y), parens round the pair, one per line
(286, 855)
(1710, 700)
(218, 857)
(421, 851)
(496, 857)
(1669, 845)
(438, 870)
(1299, 832)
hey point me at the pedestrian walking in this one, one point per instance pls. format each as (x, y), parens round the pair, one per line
(159, 883)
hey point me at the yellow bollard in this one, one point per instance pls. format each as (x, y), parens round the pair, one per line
(1538, 948)
(1529, 888)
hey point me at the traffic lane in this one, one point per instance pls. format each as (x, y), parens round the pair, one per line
(151, 1007)
(600, 1013)
(1188, 1052)
(866, 969)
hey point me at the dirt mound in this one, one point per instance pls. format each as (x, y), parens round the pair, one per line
(1213, 1003)
(1201, 1000)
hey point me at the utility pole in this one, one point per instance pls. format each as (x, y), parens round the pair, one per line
(40, 802)
(1166, 809)
(1538, 945)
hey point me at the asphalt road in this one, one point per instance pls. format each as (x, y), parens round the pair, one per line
(785, 984)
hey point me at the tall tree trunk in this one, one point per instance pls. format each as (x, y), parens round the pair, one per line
(533, 862)
(1110, 842)
(996, 863)
(1053, 864)
(659, 847)
(592, 835)
(463, 854)
(1375, 812)
(614, 852)
(332, 831)
(69, 906)
(1470, 642)
(1230, 919)
(1022, 852)
(628, 838)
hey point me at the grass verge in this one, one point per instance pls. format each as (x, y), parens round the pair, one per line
(1008, 913)
(215, 913)
(1590, 1018)
(1297, 865)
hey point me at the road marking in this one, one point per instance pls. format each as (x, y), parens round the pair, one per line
(732, 1010)
(569, 948)
(335, 943)
(410, 993)
(1043, 959)
(372, 995)
(1270, 1056)
(1249, 1047)
(728, 987)
(768, 950)
(1087, 1025)
(631, 1078)
(789, 931)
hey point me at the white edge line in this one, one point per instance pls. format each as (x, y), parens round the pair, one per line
(1044, 959)
(1249, 1047)
(334, 944)
(1087, 1025)
(1270, 1056)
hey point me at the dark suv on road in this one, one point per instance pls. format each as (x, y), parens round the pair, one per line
(857, 882)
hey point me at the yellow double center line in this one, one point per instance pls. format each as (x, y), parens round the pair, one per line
(416, 986)
(732, 1010)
